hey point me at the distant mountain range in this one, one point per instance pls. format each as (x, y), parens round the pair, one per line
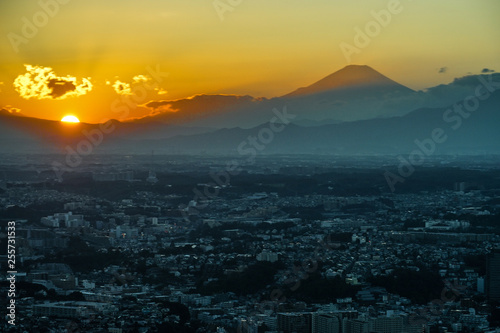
(352, 93)
(355, 110)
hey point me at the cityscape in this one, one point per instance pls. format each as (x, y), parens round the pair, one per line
(292, 244)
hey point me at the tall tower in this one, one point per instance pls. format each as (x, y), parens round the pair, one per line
(492, 282)
(152, 175)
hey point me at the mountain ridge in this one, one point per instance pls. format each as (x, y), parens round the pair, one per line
(335, 97)
(345, 78)
(358, 107)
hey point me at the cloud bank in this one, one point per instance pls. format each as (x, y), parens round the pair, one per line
(42, 83)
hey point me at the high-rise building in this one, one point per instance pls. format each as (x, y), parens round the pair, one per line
(331, 321)
(387, 324)
(294, 322)
(492, 282)
(356, 326)
(327, 323)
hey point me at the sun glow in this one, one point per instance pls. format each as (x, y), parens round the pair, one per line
(70, 119)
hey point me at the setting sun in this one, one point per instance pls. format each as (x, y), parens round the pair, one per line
(70, 119)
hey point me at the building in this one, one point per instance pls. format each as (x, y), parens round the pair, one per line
(294, 322)
(267, 256)
(326, 323)
(356, 326)
(392, 324)
(386, 324)
(73, 309)
(492, 282)
(152, 177)
(113, 176)
(59, 310)
(480, 285)
(68, 220)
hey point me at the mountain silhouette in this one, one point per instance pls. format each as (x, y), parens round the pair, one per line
(349, 77)
(477, 134)
(350, 94)
(354, 110)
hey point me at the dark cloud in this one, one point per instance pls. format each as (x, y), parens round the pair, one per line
(444, 95)
(60, 87)
(443, 70)
(199, 106)
(487, 70)
(471, 80)
(10, 111)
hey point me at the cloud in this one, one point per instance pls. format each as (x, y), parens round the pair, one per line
(200, 105)
(1, 83)
(125, 88)
(60, 87)
(122, 88)
(444, 95)
(161, 109)
(12, 111)
(42, 83)
(161, 91)
(141, 78)
(442, 70)
(487, 70)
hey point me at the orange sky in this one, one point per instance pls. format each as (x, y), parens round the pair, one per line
(94, 59)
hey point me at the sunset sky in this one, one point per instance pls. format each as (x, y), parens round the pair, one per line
(86, 57)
